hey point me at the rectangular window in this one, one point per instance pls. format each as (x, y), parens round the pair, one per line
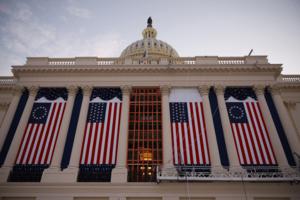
(144, 134)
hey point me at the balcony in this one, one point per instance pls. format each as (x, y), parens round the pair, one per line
(252, 174)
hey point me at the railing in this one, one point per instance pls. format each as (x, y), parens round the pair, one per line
(61, 61)
(150, 60)
(7, 80)
(231, 60)
(273, 174)
(107, 61)
(183, 60)
(291, 78)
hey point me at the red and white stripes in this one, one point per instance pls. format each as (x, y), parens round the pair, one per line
(189, 139)
(252, 139)
(101, 138)
(39, 139)
(189, 136)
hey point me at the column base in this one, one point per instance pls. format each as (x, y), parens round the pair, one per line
(219, 170)
(54, 197)
(4, 174)
(55, 175)
(170, 197)
(237, 171)
(119, 175)
(168, 168)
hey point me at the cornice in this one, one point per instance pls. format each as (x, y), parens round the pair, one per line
(9, 88)
(288, 85)
(275, 68)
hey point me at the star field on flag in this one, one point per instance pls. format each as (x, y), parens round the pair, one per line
(102, 127)
(250, 133)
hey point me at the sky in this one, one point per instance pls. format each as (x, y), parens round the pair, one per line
(69, 28)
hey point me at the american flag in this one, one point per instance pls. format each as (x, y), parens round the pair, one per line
(189, 138)
(102, 127)
(39, 139)
(249, 130)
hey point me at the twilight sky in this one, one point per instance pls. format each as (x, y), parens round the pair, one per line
(68, 28)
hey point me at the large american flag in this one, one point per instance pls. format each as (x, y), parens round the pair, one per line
(249, 130)
(189, 138)
(39, 139)
(102, 127)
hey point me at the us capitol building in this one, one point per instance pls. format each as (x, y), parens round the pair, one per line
(150, 125)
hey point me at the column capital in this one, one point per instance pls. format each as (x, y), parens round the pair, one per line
(87, 90)
(33, 90)
(203, 89)
(165, 89)
(259, 89)
(17, 90)
(72, 89)
(219, 89)
(4, 105)
(290, 104)
(126, 89)
(275, 89)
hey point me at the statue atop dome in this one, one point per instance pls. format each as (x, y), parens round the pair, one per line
(149, 22)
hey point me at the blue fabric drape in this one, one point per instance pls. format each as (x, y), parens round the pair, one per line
(13, 126)
(72, 130)
(218, 128)
(95, 173)
(279, 128)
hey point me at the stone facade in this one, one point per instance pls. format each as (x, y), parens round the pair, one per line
(202, 72)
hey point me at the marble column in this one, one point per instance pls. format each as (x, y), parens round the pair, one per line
(277, 147)
(229, 140)
(210, 130)
(12, 153)
(17, 93)
(119, 173)
(167, 137)
(291, 107)
(3, 109)
(284, 116)
(72, 170)
(53, 173)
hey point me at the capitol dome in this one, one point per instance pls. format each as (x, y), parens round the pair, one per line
(149, 46)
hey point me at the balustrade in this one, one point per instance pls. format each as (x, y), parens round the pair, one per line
(291, 78)
(7, 80)
(121, 61)
(217, 173)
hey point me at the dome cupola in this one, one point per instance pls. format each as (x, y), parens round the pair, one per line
(149, 46)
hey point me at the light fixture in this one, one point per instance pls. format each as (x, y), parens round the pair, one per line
(146, 156)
